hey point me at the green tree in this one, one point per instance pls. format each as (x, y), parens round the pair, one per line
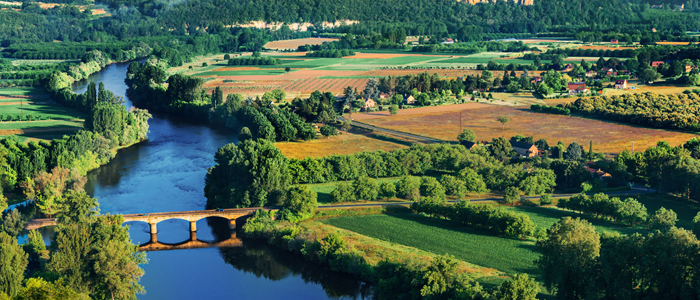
(387, 190)
(287, 69)
(574, 152)
(394, 109)
(77, 207)
(473, 181)
(631, 212)
(431, 187)
(545, 199)
(649, 75)
(663, 219)
(503, 120)
(511, 195)
(250, 174)
(521, 287)
(244, 134)
(343, 192)
(467, 135)
(568, 253)
(98, 258)
(452, 185)
(696, 224)
(301, 201)
(13, 262)
(366, 188)
(408, 187)
(38, 288)
(501, 149)
(440, 276)
(328, 131)
(14, 223)
(590, 151)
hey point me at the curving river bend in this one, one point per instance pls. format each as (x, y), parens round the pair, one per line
(166, 173)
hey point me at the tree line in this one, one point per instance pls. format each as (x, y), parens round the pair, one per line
(578, 263)
(89, 256)
(672, 111)
(495, 219)
(330, 53)
(246, 61)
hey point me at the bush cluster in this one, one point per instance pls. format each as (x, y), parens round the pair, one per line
(497, 220)
(550, 109)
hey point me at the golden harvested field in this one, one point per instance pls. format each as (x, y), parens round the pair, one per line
(673, 43)
(417, 111)
(293, 44)
(345, 143)
(607, 137)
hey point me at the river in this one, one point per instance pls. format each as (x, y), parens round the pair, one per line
(166, 173)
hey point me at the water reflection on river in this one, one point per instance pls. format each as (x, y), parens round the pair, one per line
(166, 173)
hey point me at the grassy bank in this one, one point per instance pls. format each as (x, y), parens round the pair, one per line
(445, 237)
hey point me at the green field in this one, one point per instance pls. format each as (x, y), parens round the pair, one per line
(482, 60)
(445, 237)
(21, 91)
(403, 60)
(45, 110)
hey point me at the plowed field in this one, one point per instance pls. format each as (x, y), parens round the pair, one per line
(606, 136)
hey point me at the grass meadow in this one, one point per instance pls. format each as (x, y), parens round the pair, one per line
(21, 91)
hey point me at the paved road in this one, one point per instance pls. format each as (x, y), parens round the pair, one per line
(403, 134)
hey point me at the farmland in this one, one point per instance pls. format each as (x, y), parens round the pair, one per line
(440, 237)
(607, 137)
(54, 120)
(342, 144)
(293, 44)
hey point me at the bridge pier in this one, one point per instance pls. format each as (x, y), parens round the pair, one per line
(154, 228)
(154, 238)
(193, 226)
(193, 235)
(232, 223)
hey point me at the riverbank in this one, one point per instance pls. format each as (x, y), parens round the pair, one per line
(362, 256)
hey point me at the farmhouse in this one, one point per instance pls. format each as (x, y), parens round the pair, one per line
(449, 41)
(621, 84)
(467, 144)
(591, 74)
(536, 79)
(608, 71)
(614, 41)
(410, 100)
(370, 103)
(655, 64)
(600, 174)
(688, 68)
(567, 68)
(524, 149)
(572, 86)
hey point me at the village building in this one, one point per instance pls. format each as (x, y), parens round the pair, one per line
(591, 74)
(655, 64)
(525, 149)
(575, 85)
(614, 41)
(608, 71)
(567, 68)
(469, 145)
(688, 68)
(621, 84)
(370, 103)
(536, 79)
(410, 100)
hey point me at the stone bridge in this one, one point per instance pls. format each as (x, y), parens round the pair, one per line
(154, 218)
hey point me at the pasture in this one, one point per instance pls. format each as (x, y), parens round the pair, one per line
(441, 237)
(55, 121)
(294, 44)
(607, 137)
